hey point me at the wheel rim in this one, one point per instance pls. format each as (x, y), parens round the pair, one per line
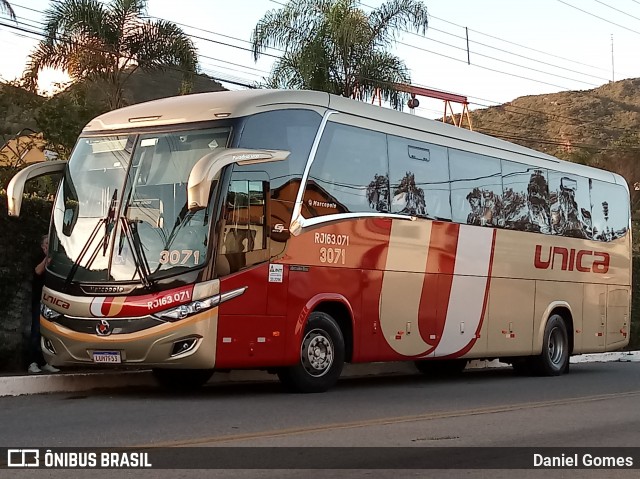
(556, 346)
(317, 353)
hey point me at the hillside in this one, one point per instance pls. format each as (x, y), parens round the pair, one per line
(568, 124)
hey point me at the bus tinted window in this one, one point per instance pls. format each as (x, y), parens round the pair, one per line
(570, 205)
(291, 130)
(476, 187)
(609, 209)
(525, 198)
(243, 235)
(419, 174)
(349, 173)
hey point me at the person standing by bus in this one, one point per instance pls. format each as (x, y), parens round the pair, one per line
(37, 362)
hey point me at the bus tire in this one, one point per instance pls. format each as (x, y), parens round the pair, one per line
(322, 353)
(441, 368)
(182, 380)
(554, 359)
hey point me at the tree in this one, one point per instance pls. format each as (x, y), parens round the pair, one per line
(334, 46)
(106, 43)
(62, 117)
(5, 6)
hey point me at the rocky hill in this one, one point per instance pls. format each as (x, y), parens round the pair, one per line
(569, 124)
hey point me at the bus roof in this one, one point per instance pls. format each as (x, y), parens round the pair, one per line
(201, 107)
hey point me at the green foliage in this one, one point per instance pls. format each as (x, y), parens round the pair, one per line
(62, 117)
(334, 46)
(19, 238)
(16, 110)
(43, 187)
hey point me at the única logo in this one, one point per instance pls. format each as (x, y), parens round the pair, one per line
(585, 261)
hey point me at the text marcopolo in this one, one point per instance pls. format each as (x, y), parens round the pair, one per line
(581, 460)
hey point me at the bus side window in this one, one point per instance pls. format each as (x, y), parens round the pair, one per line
(419, 178)
(349, 173)
(476, 188)
(570, 205)
(243, 238)
(525, 198)
(610, 210)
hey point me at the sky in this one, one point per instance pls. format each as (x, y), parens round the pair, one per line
(516, 47)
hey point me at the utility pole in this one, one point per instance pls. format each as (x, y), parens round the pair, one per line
(468, 54)
(613, 76)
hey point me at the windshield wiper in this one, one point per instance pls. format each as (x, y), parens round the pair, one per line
(139, 258)
(107, 221)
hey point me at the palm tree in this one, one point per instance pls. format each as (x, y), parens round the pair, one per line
(334, 46)
(5, 6)
(106, 43)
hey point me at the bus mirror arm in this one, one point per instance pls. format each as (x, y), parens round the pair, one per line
(15, 189)
(208, 168)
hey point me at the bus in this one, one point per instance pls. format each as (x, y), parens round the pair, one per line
(296, 231)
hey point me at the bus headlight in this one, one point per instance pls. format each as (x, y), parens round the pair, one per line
(189, 309)
(185, 310)
(49, 313)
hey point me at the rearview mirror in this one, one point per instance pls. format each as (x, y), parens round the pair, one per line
(15, 189)
(208, 168)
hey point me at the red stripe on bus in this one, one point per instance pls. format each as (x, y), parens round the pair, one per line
(436, 288)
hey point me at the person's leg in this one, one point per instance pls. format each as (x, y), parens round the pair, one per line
(37, 357)
(35, 351)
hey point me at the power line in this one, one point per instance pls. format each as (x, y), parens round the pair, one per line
(617, 10)
(501, 40)
(507, 62)
(600, 18)
(502, 133)
(492, 58)
(236, 81)
(520, 45)
(485, 68)
(555, 142)
(507, 52)
(242, 82)
(406, 44)
(233, 80)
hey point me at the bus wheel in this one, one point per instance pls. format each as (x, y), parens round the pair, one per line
(441, 368)
(321, 357)
(182, 379)
(554, 359)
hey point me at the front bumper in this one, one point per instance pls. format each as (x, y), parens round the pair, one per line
(151, 347)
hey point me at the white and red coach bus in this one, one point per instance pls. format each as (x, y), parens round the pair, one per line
(294, 231)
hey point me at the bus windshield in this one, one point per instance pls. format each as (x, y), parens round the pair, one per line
(121, 209)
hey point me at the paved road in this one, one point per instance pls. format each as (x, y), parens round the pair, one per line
(594, 406)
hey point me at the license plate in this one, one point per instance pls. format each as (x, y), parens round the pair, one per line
(111, 357)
